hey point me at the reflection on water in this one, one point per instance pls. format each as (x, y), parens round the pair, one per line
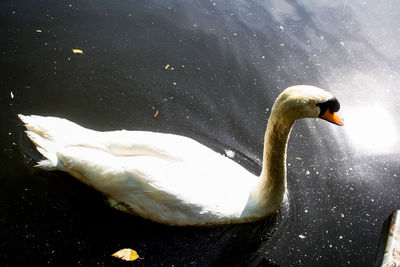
(372, 129)
(228, 60)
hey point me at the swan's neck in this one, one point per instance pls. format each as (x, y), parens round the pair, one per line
(270, 191)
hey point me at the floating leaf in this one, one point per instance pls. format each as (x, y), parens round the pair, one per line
(77, 51)
(127, 254)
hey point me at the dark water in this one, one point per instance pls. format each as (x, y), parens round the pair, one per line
(227, 61)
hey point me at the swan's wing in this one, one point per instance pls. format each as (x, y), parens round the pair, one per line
(62, 133)
(161, 145)
(159, 189)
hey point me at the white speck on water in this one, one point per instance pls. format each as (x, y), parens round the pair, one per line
(229, 153)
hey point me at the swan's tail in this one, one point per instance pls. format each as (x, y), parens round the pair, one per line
(48, 134)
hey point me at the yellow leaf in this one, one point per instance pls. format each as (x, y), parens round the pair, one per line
(126, 254)
(77, 51)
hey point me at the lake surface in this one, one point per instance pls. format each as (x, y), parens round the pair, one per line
(210, 70)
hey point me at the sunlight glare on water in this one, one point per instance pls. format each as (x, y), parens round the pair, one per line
(372, 129)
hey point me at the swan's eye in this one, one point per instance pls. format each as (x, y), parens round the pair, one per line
(332, 104)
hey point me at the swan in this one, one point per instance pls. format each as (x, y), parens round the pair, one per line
(173, 179)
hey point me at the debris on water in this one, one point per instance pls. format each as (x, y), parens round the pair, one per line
(229, 153)
(11, 95)
(77, 51)
(302, 236)
(298, 158)
(127, 254)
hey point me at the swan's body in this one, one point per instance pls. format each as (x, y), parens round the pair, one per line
(173, 179)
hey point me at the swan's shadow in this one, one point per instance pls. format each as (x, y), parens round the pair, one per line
(105, 230)
(223, 245)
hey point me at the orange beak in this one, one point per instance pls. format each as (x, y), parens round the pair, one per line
(332, 117)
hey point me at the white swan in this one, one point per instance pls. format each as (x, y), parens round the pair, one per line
(173, 179)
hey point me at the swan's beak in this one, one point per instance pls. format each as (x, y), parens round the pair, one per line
(332, 117)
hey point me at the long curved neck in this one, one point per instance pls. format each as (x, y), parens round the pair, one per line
(273, 176)
(271, 188)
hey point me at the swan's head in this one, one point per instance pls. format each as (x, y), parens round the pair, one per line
(304, 101)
